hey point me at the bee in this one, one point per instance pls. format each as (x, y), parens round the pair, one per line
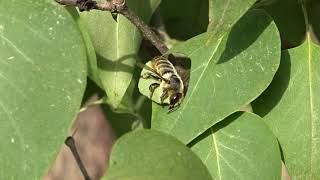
(163, 71)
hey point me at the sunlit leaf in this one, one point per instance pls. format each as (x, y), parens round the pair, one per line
(152, 155)
(226, 73)
(240, 147)
(292, 109)
(223, 14)
(42, 75)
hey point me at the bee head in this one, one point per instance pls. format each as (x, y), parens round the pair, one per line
(175, 100)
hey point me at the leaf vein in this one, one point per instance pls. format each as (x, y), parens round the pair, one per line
(14, 125)
(28, 59)
(312, 112)
(196, 85)
(217, 153)
(12, 85)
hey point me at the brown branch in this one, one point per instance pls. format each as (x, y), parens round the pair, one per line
(145, 30)
(72, 145)
(119, 6)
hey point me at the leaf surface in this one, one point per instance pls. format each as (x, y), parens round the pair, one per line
(223, 14)
(152, 155)
(43, 76)
(292, 109)
(226, 73)
(93, 72)
(240, 147)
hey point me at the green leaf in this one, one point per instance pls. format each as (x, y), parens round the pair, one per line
(226, 73)
(288, 16)
(93, 72)
(224, 14)
(43, 76)
(291, 107)
(116, 44)
(152, 155)
(240, 147)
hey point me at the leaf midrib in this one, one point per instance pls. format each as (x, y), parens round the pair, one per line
(117, 56)
(217, 153)
(311, 102)
(196, 84)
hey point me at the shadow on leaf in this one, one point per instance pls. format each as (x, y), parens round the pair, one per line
(118, 65)
(242, 35)
(216, 128)
(273, 94)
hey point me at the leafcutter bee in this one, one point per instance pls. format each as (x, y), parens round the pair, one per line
(168, 79)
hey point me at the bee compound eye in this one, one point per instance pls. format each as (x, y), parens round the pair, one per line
(174, 98)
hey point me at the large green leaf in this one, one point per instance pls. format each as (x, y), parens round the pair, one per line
(152, 155)
(223, 14)
(292, 109)
(226, 73)
(116, 44)
(42, 75)
(240, 147)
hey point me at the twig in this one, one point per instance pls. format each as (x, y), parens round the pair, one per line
(72, 145)
(145, 29)
(119, 6)
(305, 14)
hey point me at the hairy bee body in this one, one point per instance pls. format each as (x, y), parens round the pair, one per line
(169, 80)
(168, 72)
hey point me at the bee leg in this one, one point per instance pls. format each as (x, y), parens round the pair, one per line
(152, 88)
(151, 75)
(172, 108)
(163, 96)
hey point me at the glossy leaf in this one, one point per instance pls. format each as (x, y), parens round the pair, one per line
(116, 43)
(240, 147)
(291, 107)
(152, 155)
(43, 75)
(226, 73)
(224, 14)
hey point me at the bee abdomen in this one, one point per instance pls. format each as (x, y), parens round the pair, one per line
(163, 66)
(164, 71)
(160, 61)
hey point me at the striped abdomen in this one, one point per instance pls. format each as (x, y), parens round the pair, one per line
(163, 67)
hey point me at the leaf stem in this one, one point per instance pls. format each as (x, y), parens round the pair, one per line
(305, 14)
(119, 6)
